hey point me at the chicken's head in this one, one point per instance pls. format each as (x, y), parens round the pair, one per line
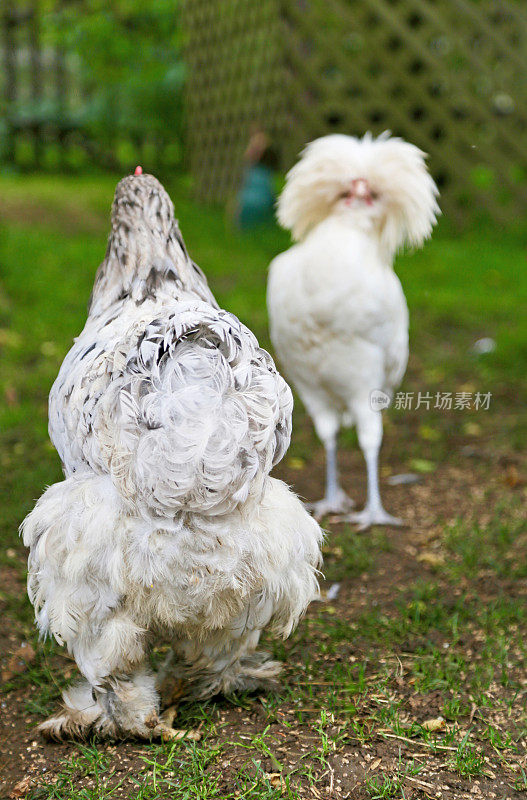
(141, 201)
(381, 185)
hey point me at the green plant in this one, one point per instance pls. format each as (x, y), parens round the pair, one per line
(468, 760)
(130, 67)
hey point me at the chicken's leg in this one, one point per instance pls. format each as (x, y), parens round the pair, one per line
(124, 707)
(369, 429)
(171, 687)
(335, 500)
(226, 661)
(118, 698)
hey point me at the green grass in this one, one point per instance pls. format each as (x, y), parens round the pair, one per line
(468, 760)
(383, 787)
(496, 546)
(454, 633)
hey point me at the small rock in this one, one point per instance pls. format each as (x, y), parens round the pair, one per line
(483, 346)
(405, 478)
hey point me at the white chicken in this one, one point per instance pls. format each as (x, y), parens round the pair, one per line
(338, 315)
(168, 418)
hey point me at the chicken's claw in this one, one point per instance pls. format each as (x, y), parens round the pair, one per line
(337, 504)
(372, 516)
(164, 730)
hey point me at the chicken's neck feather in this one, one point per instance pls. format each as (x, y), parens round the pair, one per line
(145, 249)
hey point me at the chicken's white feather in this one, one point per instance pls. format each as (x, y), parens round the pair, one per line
(395, 170)
(338, 315)
(168, 418)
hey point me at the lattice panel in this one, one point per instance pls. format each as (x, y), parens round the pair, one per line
(235, 80)
(448, 75)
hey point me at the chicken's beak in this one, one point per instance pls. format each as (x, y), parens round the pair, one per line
(360, 188)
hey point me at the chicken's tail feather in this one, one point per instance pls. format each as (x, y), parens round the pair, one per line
(204, 415)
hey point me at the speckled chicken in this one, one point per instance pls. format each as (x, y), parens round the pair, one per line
(168, 418)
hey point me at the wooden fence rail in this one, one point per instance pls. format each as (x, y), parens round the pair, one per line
(449, 75)
(36, 107)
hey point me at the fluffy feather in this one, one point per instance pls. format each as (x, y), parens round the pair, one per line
(395, 170)
(338, 316)
(168, 418)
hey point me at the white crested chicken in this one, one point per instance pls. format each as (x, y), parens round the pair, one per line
(338, 315)
(168, 418)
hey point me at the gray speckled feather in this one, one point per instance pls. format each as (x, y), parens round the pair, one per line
(145, 249)
(168, 394)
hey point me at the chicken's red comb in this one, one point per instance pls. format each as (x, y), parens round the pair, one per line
(138, 170)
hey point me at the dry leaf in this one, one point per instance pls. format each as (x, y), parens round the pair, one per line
(11, 396)
(422, 465)
(513, 478)
(21, 788)
(296, 463)
(48, 348)
(375, 764)
(337, 551)
(276, 780)
(430, 558)
(9, 338)
(433, 725)
(472, 429)
(428, 433)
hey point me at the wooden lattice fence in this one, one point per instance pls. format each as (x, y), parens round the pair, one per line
(449, 75)
(233, 57)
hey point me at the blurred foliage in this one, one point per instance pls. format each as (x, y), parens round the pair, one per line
(130, 64)
(123, 76)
